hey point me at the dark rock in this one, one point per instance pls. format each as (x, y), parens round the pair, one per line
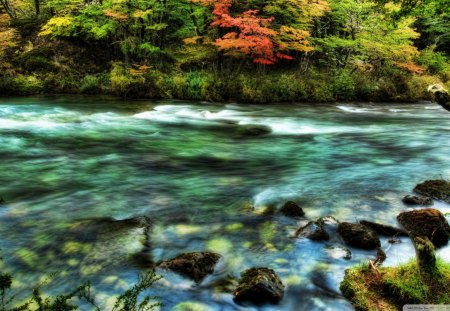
(436, 189)
(252, 130)
(428, 222)
(383, 229)
(358, 235)
(394, 240)
(259, 286)
(313, 231)
(195, 266)
(416, 200)
(441, 95)
(291, 209)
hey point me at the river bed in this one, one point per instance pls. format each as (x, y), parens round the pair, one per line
(204, 186)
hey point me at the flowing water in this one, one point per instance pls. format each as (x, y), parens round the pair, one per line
(204, 187)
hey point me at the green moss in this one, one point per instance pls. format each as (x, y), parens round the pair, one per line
(394, 287)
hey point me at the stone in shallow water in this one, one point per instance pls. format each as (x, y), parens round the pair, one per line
(314, 231)
(416, 200)
(252, 130)
(292, 209)
(436, 189)
(383, 229)
(110, 240)
(428, 222)
(358, 235)
(195, 266)
(259, 286)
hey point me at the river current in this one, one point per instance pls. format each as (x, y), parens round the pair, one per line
(205, 186)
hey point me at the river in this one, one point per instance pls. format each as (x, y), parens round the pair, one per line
(204, 187)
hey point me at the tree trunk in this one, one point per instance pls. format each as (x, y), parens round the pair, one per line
(37, 7)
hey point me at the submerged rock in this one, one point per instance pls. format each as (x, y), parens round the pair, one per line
(109, 239)
(416, 200)
(292, 209)
(428, 222)
(252, 130)
(358, 235)
(384, 229)
(195, 266)
(259, 286)
(436, 189)
(313, 230)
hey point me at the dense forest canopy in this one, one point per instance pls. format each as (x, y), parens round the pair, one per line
(168, 44)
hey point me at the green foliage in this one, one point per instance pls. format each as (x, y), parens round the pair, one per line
(27, 84)
(344, 87)
(436, 62)
(129, 300)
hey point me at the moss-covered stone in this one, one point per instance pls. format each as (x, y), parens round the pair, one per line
(436, 189)
(427, 222)
(292, 209)
(195, 265)
(259, 286)
(358, 235)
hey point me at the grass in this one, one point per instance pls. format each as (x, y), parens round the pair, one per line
(394, 287)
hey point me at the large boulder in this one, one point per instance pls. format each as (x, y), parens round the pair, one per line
(358, 235)
(259, 286)
(441, 95)
(428, 222)
(436, 189)
(313, 230)
(195, 266)
(382, 229)
(292, 209)
(416, 200)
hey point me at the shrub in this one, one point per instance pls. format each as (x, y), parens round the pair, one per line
(27, 85)
(124, 84)
(343, 85)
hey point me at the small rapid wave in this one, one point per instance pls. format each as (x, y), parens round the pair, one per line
(279, 125)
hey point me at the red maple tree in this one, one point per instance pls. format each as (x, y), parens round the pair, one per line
(249, 34)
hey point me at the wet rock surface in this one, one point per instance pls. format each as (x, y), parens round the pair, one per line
(428, 222)
(259, 286)
(313, 231)
(252, 130)
(416, 200)
(358, 235)
(195, 266)
(436, 189)
(292, 209)
(382, 229)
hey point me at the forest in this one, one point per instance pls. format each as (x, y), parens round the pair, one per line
(254, 51)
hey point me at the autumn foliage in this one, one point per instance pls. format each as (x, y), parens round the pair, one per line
(247, 34)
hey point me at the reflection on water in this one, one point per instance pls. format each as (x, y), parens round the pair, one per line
(66, 160)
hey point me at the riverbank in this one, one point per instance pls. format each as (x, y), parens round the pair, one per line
(286, 86)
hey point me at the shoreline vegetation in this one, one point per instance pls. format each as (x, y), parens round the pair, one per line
(254, 52)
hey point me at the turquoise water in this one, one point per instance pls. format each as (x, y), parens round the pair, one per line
(205, 187)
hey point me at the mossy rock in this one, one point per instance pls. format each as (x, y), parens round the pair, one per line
(358, 235)
(259, 286)
(436, 189)
(195, 266)
(428, 222)
(416, 200)
(292, 209)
